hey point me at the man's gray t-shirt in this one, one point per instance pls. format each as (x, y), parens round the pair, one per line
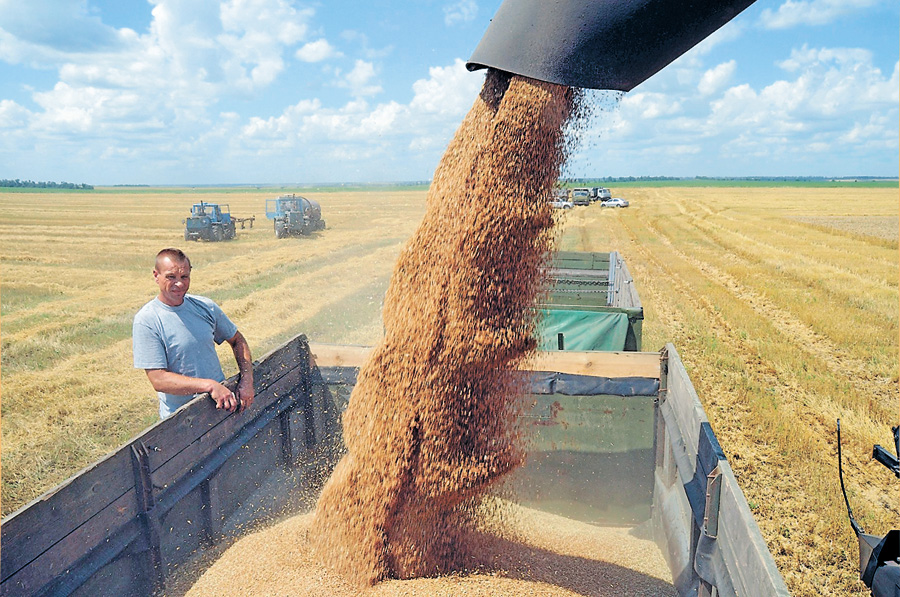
(181, 340)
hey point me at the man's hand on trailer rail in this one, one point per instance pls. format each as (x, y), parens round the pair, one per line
(241, 349)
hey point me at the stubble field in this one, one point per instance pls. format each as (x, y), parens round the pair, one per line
(782, 302)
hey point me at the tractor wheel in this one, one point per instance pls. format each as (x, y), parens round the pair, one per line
(229, 233)
(187, 235)
(279, 230)
(217, 233)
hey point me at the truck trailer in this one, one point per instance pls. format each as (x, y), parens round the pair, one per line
(619, 438)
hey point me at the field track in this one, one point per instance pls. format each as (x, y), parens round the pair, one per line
(782, 302)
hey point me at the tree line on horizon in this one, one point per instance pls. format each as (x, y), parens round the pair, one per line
(30, 184)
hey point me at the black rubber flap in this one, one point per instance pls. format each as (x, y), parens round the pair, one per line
(598, 44)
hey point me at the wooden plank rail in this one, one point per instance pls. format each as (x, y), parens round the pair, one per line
(55, 543)
(606, 364)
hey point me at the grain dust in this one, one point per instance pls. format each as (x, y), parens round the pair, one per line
(431, 423)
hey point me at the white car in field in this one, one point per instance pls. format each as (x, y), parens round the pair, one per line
(558, 203)
(614, 202)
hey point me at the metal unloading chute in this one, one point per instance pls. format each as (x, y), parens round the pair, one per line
(598, 44)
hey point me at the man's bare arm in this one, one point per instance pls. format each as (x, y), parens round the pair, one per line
(244, 360)
(182, 385)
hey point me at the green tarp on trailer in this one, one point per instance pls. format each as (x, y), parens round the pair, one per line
(582, 330)
(592, 301)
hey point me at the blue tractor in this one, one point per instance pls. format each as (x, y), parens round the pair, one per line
(294, 215)
(209, 221)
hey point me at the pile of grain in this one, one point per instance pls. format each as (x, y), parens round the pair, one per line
(553, 557)
(431, 422)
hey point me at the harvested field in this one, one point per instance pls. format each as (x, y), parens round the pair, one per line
(784, 326)
(886, 227)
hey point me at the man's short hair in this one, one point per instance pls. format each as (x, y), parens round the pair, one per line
(176, 255)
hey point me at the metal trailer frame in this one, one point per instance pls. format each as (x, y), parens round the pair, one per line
(698, 515)
(595, 282)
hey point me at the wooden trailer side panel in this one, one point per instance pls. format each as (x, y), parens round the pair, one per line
(131, 518)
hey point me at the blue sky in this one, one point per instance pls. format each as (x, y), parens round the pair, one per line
(282, 91)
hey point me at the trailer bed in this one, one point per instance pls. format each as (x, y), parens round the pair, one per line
(152, 516)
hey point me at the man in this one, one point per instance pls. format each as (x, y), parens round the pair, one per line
(174, 338)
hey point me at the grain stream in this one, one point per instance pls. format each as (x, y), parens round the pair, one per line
(431, 423)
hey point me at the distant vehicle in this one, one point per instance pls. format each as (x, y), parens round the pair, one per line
(600, 194)
(561, 203)
(614, 202)
(293, 215)
(209, 221)
(581, 196)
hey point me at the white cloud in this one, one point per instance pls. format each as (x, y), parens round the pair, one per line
(316, 51)
(358, 80)
(360, 41)
(461, 11)
(227, 47)
(811, 12)
(716, 78)
(368, 133)
(170, 104)
(836, 100)
(840, 80)
(684, 149)
(286, 125)
(648, 106)
(255, 33)
(12, 115)
(195, 53)
(382, 119)
(448, 90)
(438, 102)
(688, 68)
(63, 25)
(260, 20)
(830, 107)
(806, 57)
(727, 33)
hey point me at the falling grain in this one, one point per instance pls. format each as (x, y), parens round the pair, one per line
(431, 423)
